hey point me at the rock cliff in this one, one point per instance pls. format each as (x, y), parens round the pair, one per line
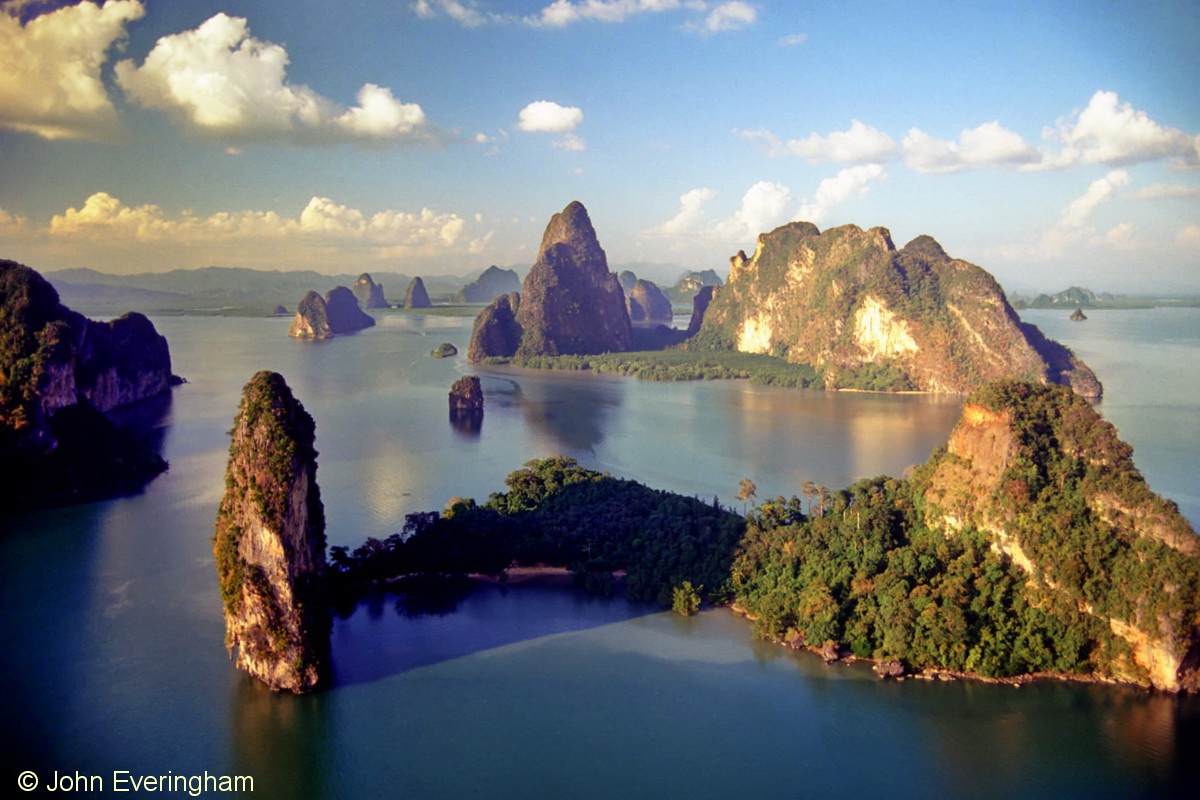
(323, 318)
(487, 287)
(871, 316)
(1055, 489)
(369, 293)
(569, 304)
(270, 542)
(690, 283)
(466, 395)
(700, 304)
(496, 333)
(647, 303)
(415, 295)
(59, 373)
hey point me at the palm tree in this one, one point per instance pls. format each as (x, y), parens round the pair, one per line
(747, 491)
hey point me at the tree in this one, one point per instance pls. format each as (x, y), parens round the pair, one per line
(747, 491)
(686, 599)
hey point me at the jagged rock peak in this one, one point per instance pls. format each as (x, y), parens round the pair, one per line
(369, 293)
(312, 319)
(573, 227)
(871, 317)
(270, 542)
(415, 296)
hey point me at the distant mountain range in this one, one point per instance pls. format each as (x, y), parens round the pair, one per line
(1078, 297)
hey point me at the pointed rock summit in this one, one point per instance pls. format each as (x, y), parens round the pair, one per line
(368, 292)
(416, 296)
(570, 303)
(270, 542)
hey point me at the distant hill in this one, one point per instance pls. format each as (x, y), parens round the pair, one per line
(233, 289)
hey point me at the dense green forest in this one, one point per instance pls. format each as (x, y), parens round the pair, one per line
(558, 513)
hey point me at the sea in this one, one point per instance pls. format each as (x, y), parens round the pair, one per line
(114, 674)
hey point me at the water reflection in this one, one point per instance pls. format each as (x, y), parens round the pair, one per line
(282, 741)
(467, 423)
(569, 413)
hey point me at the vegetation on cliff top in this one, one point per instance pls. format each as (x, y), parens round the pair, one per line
(558, 513)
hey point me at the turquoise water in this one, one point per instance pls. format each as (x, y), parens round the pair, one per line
(113, 655)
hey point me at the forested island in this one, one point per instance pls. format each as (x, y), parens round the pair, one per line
(1029, 546)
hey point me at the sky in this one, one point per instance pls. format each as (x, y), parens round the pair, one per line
(1052, 143)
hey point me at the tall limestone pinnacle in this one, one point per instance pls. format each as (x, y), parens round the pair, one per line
(570, 303)
(270, 542)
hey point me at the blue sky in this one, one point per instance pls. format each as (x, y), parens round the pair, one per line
(1051, 143)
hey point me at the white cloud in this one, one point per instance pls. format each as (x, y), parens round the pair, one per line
(1162, 190)
(570, 143)
(1114, 133)
(849, 183)
(466, 15)
(792, 39)
(225, 84)
(104, 219)
(50, 78)
(1189, 237)
(729, 16)
(988, 145)
(1121, 237)
(561, 13)
(11, 223)
(858, 145)
(545, 115)
(763, 209)
(691, 214)
(1101, 191)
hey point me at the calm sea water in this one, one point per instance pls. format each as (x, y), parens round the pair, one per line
(113, 656)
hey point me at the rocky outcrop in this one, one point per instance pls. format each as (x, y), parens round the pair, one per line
(1078, 316)
(690, 284)
(570, 302)
(369, 293)
(323, 318)
(444, 350)
(493, 283)
(1055, 489)
(466, 395)
(628, 279)
(496, 333)
(415, 295)
(311, 320)
(270, 542)
(60, 372)
(646, 303)
(700, 305)
(870, 316)
(343, 312)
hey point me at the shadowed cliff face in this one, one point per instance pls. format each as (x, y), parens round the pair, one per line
(270, 542)
(415, 296)
(871, 316)
(570, 302)
(323, 318)
(60, 372)
(488, 286)
(647, 303)
(1056, 490)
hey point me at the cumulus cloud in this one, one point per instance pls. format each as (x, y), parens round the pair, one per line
(1189, 237)
(988, 145)
(691, 214)
(466, 15)
(764, 208)
(729, 16)
(105, 219)
(223, 83)
(1115, 134)
(11, 224)
(545, 115)
(859, 144)
(570, 143)
(50, 81)
(849, 183)
(1072, 226)
(1170, 191)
